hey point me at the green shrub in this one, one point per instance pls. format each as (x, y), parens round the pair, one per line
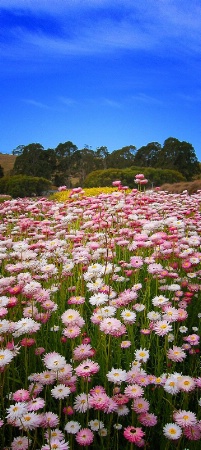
(23, 186)
(156, 177)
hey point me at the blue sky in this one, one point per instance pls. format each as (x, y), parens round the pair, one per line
(100, 72)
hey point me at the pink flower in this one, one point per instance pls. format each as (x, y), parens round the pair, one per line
(39, 350)
(62, 188)
(82, 351)
(147, 419)
(20, 443)
(136, 262)
(193, 432)
(81, 403)
(113, 326)
(50, 420)
(27, 342)
(133, 434)
(185, 418)
(162, 327)
(98, 401)
(84, 437)
(193, 339)
(87, 368)
(22, 395)
(56, 443)
(35, 404)
(72, 331)
(125, 344)
(116, 183)
(176, 354)
(134, 391)
(140, 405)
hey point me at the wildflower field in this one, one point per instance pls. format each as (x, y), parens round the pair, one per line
(100, 321)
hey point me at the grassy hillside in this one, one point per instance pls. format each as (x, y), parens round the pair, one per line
(7, 162)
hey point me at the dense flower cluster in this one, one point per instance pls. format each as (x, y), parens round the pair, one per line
(100, 320)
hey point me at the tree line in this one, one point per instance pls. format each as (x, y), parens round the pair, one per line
(65, 162)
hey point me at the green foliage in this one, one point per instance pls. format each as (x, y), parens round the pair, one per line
(1, 171)
(23, 186)
(122, 158)
(174, 155)
(148, 155)
(66, 163)
(156, 177)
(179, 156)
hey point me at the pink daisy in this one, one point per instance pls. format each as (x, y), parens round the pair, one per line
(87, 368)
(140, 405)
(82, 351)
(176, 354)
(133, 434)
(98, 401)
(72, 331)
(162, 327)
(147, 419)
(22, 395)
(185, 418)
(56, 444)
(81, 403)
(35, 404)
(193, 432)
(84, 437)
(50, 420)
(20, 443)
(134, 391)
(186, 383)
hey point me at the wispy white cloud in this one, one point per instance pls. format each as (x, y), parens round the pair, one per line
(67, 101)
(111, 103)
(35, 103)
(144, 98)
(171, 26)
(190, 98)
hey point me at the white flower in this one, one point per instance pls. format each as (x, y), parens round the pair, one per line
(160, 300)
(96, 425)
(154, 315)
(26, 325)
(54, 361)
(17, 410)
(142, 354)
(170, 337)
(98, 299)
(60, 391)
(183, 329)
(4, 326)
(6, 357)
(72, 427)
(116, 375)
(172, 431)
(171, 385)
(128, 316)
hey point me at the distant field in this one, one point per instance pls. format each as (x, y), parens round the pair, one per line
(7, 162)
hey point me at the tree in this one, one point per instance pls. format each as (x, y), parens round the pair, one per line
(147, 156)
(30, 161)
(18, 150)
(85, 161)
(180, 156)
(1, 171)
(124, 157)
(102, 155)
(64, 162)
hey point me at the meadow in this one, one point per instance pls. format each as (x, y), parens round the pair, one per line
(100, 320)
